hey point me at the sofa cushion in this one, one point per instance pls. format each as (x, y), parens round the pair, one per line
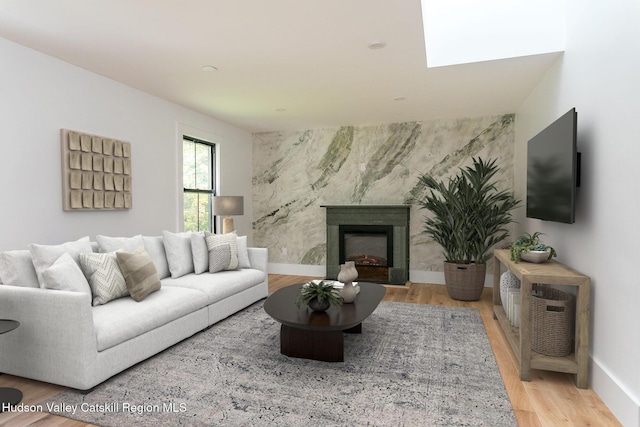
(179, 257)
(243, 252)
(154, 246)
(231, 239)
(16, 269)
(65, 275)
(200, 253)
(44, 256)
(220, 285)
(112, 244)
(139, 273)
(105, 278)
(124, 319)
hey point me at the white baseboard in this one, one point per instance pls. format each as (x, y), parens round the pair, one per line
(619, 400)
(417, 276)
(297, 269)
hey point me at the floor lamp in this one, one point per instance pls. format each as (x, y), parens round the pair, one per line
(226, 206)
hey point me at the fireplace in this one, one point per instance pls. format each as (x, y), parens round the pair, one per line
(374, 237)
(370, 247)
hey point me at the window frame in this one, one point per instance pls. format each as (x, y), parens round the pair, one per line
(213, 184)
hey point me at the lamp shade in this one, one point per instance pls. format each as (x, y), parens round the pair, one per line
(228, 205)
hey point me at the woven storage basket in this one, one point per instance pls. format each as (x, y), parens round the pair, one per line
(552, 320)
(465, 282)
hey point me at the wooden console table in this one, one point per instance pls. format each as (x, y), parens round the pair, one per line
(551, 273)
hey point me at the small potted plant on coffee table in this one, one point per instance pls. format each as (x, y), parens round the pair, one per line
(319, 296)
(529, 248)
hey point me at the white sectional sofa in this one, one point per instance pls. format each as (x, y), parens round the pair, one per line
(64, 339)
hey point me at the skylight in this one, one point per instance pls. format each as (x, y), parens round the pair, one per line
(465, 31)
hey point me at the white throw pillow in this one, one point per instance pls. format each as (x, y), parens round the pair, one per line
(231, 239)
(16, 269)
(200, 253)
(112, 244)
(44, 256)
(105, 278)
(243, 252)
(65, 275)
(154, 246)
(178, 249)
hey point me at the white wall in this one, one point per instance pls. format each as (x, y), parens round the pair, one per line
(599, 76)
(39, 95)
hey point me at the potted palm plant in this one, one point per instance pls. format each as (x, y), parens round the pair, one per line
(468, 217)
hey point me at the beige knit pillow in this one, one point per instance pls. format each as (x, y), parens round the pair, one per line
(139, 273)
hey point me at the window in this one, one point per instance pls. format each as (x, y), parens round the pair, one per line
(198, 178)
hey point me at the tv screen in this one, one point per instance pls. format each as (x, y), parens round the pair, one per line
(552, 171)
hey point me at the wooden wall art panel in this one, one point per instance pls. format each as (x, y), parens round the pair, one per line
(96, 172)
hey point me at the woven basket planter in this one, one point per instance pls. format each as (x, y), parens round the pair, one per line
(465, 282)
(552, 320)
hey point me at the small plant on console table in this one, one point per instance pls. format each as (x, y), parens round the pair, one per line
(318, 295)
(529, 248)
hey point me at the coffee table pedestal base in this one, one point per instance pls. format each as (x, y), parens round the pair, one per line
(325, 346)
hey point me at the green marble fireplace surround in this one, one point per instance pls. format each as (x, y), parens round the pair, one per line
(395, 216)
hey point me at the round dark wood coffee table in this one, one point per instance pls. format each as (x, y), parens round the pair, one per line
(319, 335)
(9, 397)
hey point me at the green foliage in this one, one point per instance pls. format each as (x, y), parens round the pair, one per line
(323, 291)
(469, 213)
(529, 242)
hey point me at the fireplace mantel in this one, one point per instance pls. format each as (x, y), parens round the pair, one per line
(396, 216)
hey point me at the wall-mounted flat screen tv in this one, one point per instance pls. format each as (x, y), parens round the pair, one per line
(553, 171)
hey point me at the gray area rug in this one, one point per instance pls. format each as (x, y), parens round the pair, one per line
(413, 365)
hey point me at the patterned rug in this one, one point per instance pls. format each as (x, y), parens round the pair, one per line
(413, 365)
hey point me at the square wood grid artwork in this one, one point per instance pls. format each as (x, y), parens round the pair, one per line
(96, 172)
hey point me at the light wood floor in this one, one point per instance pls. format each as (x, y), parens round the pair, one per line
(550, 399)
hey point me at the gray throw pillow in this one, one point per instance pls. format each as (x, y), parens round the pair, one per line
(215, 240)
(139, 272)
(219, 258)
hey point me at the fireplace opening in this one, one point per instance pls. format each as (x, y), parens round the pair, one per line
(370, 247)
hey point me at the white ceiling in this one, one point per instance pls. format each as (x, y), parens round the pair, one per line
(281, 64)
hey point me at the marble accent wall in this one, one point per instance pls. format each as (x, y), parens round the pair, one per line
(294, 173)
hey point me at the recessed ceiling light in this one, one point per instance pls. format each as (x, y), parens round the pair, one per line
(209, 68)
(281, 110)
(377, 45)
(399, 98)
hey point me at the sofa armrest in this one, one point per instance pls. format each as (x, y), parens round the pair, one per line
(259, 259)
(56, 331)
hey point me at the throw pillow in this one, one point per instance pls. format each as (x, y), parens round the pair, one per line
(200, 253)
(178, 249)
(112, 244)
(65, 275)
(139, 272)
(44, 256)
(215, 240)
(243, 253)
(105, 278)
(155, 248)
(219, 258)
(16, 269)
